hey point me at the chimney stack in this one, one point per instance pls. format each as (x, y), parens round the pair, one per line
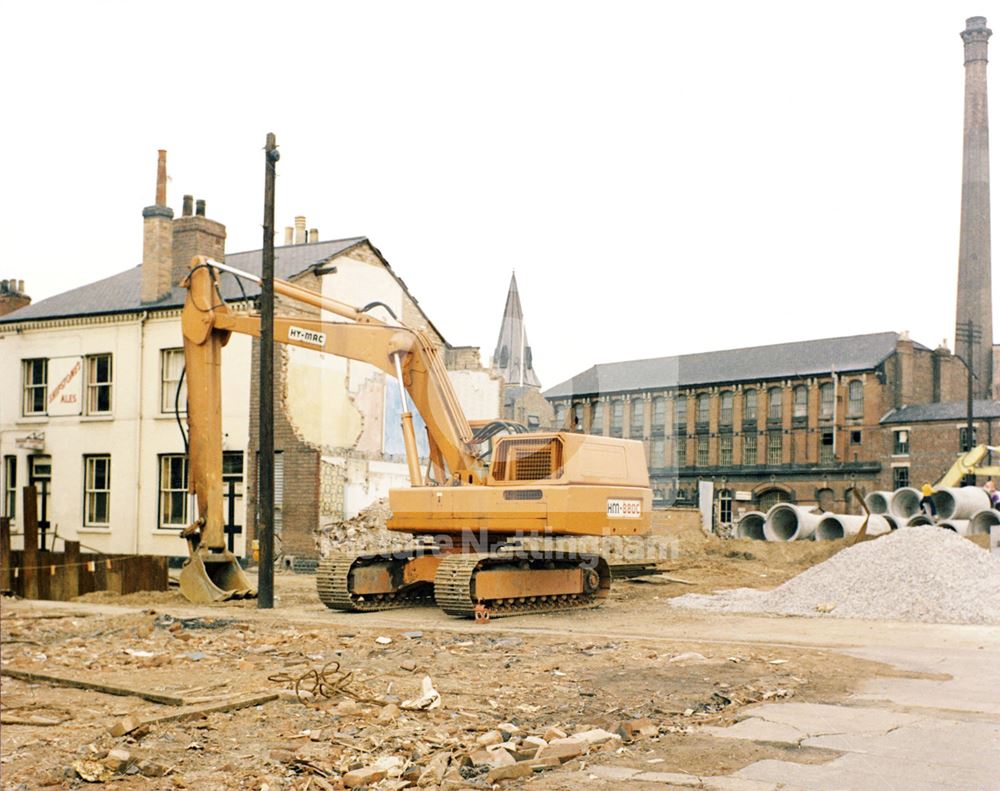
(157, 240)
(12, 296)
(974, 256)
(196, 235)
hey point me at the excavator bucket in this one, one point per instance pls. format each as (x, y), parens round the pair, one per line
(214, 576)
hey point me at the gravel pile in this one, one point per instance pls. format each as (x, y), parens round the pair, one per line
(918, 574)
(363, 533)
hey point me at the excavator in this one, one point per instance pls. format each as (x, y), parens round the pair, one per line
(486, 530)
(969, 463)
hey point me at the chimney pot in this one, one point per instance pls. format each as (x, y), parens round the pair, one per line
(3, 285)
(300, 230)
(20, 286)
(199, 208)
(188, 208)
(161, 178)
(288, 234)
(313, 236)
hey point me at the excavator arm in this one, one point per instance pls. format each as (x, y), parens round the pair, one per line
(212, 573)
(969, 463)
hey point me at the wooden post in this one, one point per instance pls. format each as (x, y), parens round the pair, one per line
(30, 518)
(265, 466)
(5, 580)
(71, 573)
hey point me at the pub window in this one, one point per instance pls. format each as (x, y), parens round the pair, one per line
(173, 491)
(36, 374)
(97, 491)
(98, 384)
(171, 367)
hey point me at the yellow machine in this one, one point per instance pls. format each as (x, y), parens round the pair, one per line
(466, 514)
(969, 463)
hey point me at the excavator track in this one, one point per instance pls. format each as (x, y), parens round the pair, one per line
(454, 584)
(333, 585)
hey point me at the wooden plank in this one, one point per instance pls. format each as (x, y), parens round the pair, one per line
(79, 683)
(5, 572)
(131, 722)
(29, 516)
(71, 572)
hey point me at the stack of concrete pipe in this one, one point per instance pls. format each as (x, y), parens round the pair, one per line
(966, 510)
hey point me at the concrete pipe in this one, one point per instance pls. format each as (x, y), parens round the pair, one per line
(982, 521)
(878, 502)
(918, 520)
(751, 525)
(961, 502)
(834, 526)
(905, 502)
(787, 522)
(960, 526)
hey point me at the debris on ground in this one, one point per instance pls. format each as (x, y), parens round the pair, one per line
(364, 533)
(921, 574)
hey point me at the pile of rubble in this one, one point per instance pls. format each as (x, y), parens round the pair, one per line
(922, 573)
(364, 533)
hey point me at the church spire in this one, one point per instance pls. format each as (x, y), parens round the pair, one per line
(512, 357)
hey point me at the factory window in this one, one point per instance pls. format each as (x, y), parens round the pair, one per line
(800, 402)
(617, 417)
(171, 367)
(726, 450)
(638, 417)
(900, 477)
(680, 451)
(750, 449)
(659, 413)
(826, 447)
(855, 399)
(98, 384)
(725, 507)
(900, 442)
(97, 491)
(596, 418)
(963, 439)
(35, 386)
(856, 437)
(173, 491)
(10, 486)
(750, 406)
(701, 451)
(774, 404)
(656, 448)
(681, 415)
(826, 401)
(702, 404)
(578, 417)
(560, 416)
(726, 408)
(773, 447)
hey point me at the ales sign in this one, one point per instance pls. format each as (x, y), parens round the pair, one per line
(65, 385)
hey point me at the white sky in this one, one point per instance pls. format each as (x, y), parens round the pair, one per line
(665, 178)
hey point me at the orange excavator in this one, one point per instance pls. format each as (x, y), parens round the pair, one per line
(468, 516)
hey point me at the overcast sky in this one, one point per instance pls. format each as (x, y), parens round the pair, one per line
(665, 178)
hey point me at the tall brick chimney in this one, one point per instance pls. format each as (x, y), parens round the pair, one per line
(12, 296)
(157, 240)
(195, 234)
(974, 262)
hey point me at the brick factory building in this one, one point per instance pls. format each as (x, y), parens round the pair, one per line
(797, 422)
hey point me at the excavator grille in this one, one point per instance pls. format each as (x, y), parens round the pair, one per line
(528, 459)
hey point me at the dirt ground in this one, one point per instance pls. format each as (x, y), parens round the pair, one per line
(489, 678)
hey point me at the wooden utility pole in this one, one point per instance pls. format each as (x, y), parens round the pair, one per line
(265, 466)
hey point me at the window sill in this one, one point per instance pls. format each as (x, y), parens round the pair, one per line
(167, 531)
(94, 529)
(169, 416)
(102, 418)
(32, 419)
